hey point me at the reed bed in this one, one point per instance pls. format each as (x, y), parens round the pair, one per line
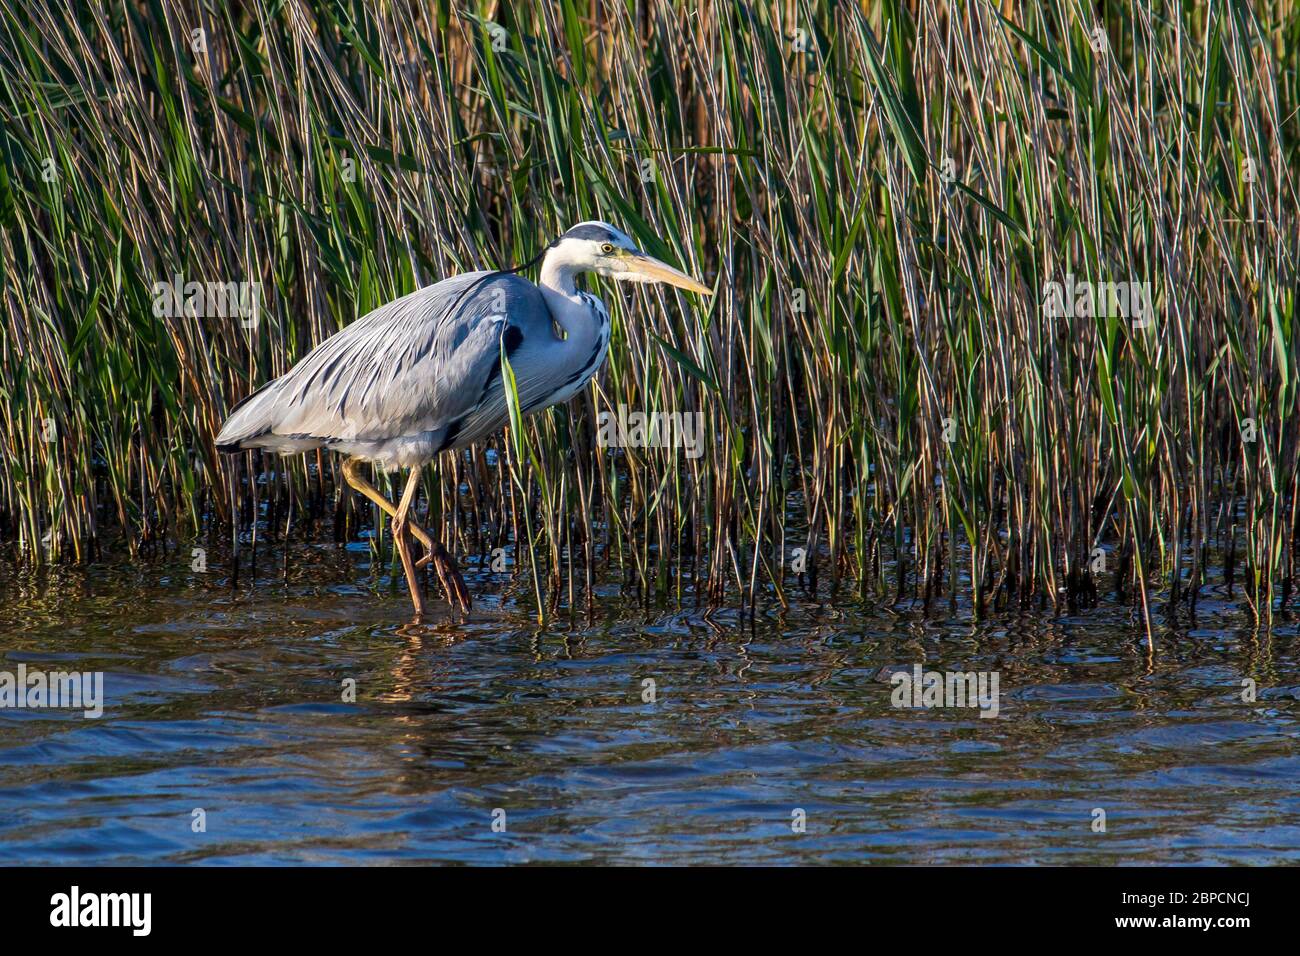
(883, 190)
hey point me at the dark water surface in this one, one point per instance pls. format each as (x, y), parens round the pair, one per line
(232, 702)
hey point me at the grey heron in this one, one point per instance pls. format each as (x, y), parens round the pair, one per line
(422, 374)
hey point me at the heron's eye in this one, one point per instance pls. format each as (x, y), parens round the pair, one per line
(607, 248)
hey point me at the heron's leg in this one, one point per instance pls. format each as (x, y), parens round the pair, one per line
(448, 574)
(352, 474)
(401, 515)
(453, 585)
(402, 538)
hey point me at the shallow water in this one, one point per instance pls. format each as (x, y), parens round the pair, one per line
(232, 702)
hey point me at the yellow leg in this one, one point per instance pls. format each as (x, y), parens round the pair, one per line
(402, 538)
(444, 564)
(400, 516)
(352, 473)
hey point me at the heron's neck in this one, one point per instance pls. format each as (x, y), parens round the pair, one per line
(558, 276)
(585, 323)
(566, 303)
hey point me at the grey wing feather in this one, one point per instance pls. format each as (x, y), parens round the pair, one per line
(414, 366)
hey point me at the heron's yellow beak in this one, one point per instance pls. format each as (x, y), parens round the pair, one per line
(650, 269)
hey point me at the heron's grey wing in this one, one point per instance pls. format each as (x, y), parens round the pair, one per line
(414, 366)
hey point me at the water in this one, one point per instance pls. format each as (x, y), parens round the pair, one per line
(232, 703)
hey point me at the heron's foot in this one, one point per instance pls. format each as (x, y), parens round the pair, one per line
(449, 575)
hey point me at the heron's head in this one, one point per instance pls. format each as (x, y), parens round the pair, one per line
(600, 248)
